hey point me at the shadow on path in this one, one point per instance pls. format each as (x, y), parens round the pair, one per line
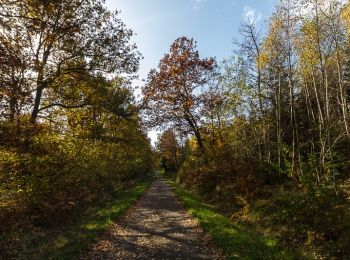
(157, 227)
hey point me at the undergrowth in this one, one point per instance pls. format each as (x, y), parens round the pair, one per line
(69, 240)
(237, 239)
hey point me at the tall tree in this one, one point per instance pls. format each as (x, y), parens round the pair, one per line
(172, 95)
(68, 38)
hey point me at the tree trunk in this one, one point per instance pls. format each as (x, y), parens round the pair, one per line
(37, 101)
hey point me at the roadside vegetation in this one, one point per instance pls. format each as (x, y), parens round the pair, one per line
(69, 239)
(264, 135)
(71, 134)
(237, 239)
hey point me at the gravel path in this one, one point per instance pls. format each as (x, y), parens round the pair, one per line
(157, 227)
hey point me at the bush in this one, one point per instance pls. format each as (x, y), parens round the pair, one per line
(61, 170)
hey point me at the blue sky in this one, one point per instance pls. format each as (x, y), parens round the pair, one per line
(212, 23)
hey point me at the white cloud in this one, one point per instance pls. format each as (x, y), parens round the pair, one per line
(251, 14)
(196, 4)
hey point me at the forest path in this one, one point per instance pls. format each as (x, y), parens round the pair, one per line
(156, 227)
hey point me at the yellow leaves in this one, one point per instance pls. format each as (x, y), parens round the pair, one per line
(274, 31)
(273, 43)
(346, 16)
(262, 60)
(310, 35)
(306, 45)
(309, 56)
(192, 144)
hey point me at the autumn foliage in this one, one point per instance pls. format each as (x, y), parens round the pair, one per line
(70, 129)
(271, 122)
(172, 95)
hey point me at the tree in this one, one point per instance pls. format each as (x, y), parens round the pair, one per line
(68, 38)
(172, 95)
(251, 49)
(14, 87)
(169, 150)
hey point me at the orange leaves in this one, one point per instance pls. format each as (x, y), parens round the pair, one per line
(172, 93)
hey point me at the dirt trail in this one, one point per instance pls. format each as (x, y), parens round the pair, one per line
(157, 227)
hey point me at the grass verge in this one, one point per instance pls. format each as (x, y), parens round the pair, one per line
(236, 239)
(70, 240)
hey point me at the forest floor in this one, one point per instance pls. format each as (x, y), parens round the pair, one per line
(67, 238)
(156, 227)
(278, 224)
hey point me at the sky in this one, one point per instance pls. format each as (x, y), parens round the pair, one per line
(212, 23)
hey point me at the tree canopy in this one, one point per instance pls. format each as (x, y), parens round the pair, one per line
(172, 95)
